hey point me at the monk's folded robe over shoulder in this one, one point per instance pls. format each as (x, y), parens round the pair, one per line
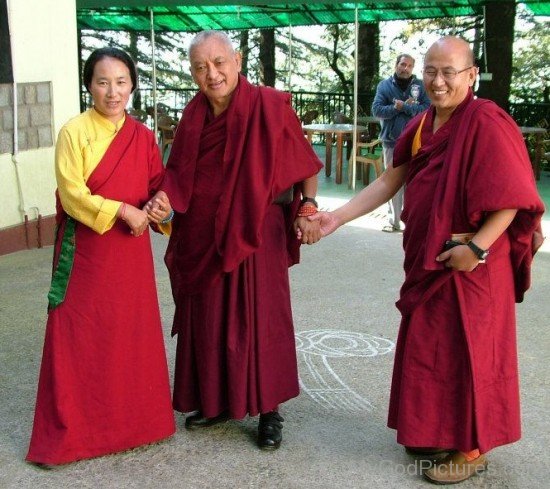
(230, 250)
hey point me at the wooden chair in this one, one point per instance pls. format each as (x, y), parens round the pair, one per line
(162, 109)
(138, 114)
(167, 127)
(309, 117)
(368, 154)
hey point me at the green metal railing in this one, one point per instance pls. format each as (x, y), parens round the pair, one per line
(326, 103)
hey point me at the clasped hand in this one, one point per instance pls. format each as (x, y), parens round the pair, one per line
(155, 210)
(399, 104)
(158, 208)
(328, 222)
(319, 225)
(459, 258)
(306, 231)
(136, 219)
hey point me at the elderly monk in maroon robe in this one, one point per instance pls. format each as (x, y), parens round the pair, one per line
(238, 151)
(472, 216)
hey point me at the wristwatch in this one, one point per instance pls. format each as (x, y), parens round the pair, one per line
(481, 254)
(311, 200)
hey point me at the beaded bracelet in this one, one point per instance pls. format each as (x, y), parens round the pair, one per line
(169, 218)
(306, 210)
(123, 210)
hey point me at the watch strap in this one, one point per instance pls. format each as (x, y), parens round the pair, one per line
(480, 253)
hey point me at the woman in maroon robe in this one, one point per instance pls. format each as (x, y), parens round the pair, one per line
(469, 181)
(103, 384)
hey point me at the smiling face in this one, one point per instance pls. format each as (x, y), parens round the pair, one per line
(448, 54)
(111, 86)
(215, 67)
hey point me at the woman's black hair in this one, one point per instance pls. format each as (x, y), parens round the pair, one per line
(98, 55)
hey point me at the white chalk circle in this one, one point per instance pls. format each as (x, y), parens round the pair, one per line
(336, 344)
(320, 381)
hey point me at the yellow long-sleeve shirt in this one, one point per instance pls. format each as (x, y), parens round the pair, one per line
(81, 144)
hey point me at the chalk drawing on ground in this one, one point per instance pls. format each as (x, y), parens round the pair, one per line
(319, 379)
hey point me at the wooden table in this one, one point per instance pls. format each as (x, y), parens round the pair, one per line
(539, 133)
(329, 130)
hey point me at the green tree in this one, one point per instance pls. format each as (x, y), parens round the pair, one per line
(521, 74)
(170, 49)
(339, 57)
(531, 71)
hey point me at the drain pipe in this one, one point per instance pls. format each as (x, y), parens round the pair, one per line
(14, 157)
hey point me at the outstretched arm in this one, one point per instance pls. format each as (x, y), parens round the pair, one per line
(371, 197)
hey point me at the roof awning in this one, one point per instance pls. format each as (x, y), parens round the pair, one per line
(193, 16)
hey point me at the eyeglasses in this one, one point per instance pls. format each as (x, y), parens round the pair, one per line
(446, 73)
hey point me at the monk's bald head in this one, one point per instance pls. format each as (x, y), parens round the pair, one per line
(448, 74)
(456, 47)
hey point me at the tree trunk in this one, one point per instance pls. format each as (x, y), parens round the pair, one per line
(368, 64)
(267, 57)
(333, 57)
(244, 50)
(478, 46)
(499, 39)
(134, 52)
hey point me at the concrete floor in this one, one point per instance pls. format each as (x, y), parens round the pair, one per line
(335, 432)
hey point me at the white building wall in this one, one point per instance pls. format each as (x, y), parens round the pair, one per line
(44, 49)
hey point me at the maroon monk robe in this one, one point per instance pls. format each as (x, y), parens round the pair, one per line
(104, 383)
(230, 250)
(455, 380)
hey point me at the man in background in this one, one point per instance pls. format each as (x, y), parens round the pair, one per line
(398, 99)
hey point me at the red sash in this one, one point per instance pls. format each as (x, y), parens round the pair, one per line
(129, 171)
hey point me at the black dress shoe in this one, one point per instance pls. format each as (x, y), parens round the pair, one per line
(270, 431)
(199, 421)
(42, 466)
